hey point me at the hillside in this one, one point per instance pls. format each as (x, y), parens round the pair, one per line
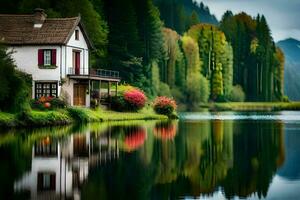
(179, 15)
(291, 49)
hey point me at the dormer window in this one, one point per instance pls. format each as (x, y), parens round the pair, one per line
(76, 34)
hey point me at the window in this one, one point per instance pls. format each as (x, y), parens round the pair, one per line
(47, 57)
(45, 89)
(76, 34)
(46, 181)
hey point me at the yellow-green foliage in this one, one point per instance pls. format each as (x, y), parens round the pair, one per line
(7, 119)
(217, 82)
(217, 57)
(191, 52)
(123, 88)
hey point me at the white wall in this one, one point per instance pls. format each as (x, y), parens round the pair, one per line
(26, 59)
(77, 45)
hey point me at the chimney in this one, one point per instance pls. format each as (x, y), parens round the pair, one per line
(39, 17)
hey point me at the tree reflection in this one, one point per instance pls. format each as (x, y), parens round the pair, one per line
(158, 160)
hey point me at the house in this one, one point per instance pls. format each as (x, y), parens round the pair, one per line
(55, 51)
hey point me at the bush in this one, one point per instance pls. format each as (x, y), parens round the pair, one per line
(135, 99)
(130, 99)
(237, 94)
(47, 103)
(79, 114)
(15, 85)
(118, 103)
(285, 98)
(164, 105)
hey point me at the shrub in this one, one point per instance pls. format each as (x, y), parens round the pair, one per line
(285, 98)
(118, 103)
(47, 103)
(132, 99)
(237, 94)
(79, 114)
(164, 105)
(15, 85)
(135, 99)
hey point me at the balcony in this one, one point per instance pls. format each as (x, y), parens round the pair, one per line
(94, 74)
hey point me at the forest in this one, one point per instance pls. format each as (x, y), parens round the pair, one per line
(176, 48)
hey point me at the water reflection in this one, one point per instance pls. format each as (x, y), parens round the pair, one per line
(147, 160)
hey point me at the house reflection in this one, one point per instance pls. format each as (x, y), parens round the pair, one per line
(59, 168)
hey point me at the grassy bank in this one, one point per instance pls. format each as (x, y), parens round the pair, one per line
(71, 115)
(252, 106)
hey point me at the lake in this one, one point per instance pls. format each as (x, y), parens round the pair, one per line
(222, 155)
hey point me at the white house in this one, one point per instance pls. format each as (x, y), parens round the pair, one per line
(55, 51)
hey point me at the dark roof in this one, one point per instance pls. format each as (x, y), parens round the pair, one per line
(19, 30)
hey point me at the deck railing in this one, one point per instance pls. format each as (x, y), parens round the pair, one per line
(104, 73)
(94, 72)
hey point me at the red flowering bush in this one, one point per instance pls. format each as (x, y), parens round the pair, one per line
(164, 105)
(131, 99)
(135, 98)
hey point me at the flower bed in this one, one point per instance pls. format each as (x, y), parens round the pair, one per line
(47, 103)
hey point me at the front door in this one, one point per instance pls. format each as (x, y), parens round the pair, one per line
(76, 62)
(79, 95)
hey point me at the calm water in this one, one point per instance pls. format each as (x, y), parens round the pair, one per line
(203, 155)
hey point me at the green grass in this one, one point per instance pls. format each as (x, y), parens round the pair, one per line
(252, 106)
(74, 114)
(44, 118)
(88, 115)
(7, 119)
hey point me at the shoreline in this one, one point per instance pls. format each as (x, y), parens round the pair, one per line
(72, 115)
(252, 106)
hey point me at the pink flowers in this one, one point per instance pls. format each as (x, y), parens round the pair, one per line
(135, 98)
(164, 105)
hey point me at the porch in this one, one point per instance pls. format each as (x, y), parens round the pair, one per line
(94, 85)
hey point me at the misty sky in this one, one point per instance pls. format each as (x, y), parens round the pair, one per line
(283, 16)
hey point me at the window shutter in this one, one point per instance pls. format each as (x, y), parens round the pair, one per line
(53, 57)
(40, 57)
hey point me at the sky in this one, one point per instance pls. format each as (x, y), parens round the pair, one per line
(283, 16)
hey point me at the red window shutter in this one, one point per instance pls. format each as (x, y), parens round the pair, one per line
(40, 57)
(53, 57)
